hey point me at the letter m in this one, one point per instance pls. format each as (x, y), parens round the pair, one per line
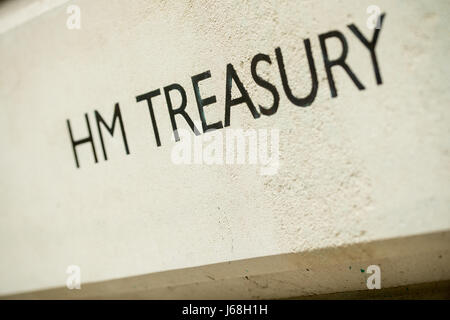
(117, 116)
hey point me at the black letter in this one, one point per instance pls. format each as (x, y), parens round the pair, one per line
(265, 84)
(148, 96)
(340, 61)
(81, 141)
(231, 75)
(371, 46)
(117, 115)
(301, 102)
(180, 110)
(204, 102)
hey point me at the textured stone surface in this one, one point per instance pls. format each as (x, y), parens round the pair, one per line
(366, 165)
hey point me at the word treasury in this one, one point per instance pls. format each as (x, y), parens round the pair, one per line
(175, 95)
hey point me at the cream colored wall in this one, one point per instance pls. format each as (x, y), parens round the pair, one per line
(364, 166)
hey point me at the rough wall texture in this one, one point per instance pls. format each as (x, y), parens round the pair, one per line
(366, 165)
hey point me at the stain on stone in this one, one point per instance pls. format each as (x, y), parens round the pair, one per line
(362, 270)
